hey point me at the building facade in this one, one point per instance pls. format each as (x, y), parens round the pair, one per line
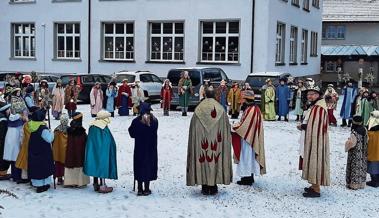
(106, 36)
(350, 42)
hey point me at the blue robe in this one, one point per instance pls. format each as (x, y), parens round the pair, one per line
(283, 95)
(349, 95)
(100, 158)
(145, 149)
(110, 100)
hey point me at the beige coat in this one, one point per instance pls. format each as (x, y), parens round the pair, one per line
(96, 97)
(316, 162)
(58, 99)
(209, 146)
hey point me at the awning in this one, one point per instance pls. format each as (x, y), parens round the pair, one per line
(349, 50)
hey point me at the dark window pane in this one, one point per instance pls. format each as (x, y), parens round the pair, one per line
(167, 28)
(60, 43)
(179, 28)
(69, 28)
(17, 46)
(33, 29)
(77, 46)
(108, 47)
(129, 44)
(156, 28)
(60, 28)
(129, 28)
(207, 48)
(26, 28)
(88, 79)
(233, 27)
(18, 28)
(108, 28)
(69, 47)
(221, 27)
(207, 27)
(156, 79)
(120, 28)
(167, 48)
(145, 78)
(155, 48)
(26, 46)
(77, 28)
(119, 53)
(220, 49)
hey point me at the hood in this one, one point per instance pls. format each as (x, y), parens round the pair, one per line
(34, 125)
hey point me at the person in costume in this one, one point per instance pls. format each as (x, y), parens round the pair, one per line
(245, 88)
(22, 158)
(100, 153)
(331, 98)
(43, 94)
(71, 94)
(299, 92)
(144, 130)
(315, 164)
(96, 97)
(138, 96)
(75, 153)
(374, 100)
(40, 155)
(124, 100)
(356, 146)
(202, 89)
(222, 95)
(166, 96)
(283, 96)
(234, 101)
(349, 92)
(26, 81)
(13, 138)
(357, 103)
(373, 149)
(59, 148)
(269, 101)
(58, 99)
(111, 96)
(4, 114)
(29, 97)
(209, 146)
(366, 106)
(185, 90)
(248, 142)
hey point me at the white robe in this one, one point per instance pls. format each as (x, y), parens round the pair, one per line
(12, 144)
(248, 164)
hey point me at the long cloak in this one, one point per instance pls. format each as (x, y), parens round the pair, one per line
(283, 95)
(22, 158)
(269, 97)
(209, 146)
(349, 96)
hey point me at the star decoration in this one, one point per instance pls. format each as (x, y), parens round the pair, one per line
(346, 77)
(370, 77)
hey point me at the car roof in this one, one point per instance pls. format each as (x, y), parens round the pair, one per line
(194, 68)
(133, 72)
(273, 74)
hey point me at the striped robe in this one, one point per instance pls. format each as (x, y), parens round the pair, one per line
(251, 130)
(316, 163)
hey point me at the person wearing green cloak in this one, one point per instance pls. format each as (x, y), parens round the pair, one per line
(100, 156)
(269, 96)
(366, 107)
(185, 90)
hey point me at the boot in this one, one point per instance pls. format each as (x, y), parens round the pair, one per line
(147, 190)
(60, 181)
(205, 190)
(279, 118)
(285, 119)
(139, 189)
(374, 181)
(213, 190)
(311, 194)
(349, 124)
(297, 118)
(343, 123)
(23, 181)
(105, 189)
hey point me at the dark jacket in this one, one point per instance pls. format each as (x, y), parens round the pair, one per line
(76, 147)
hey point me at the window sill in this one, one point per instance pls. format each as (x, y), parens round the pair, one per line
(22, 59)
(27, 2)
(295, 5)
(165, 62)
(280, 64)
(66, 60)
(315, 6)
(218, 63)
(304, 63)
(307, 10)
(293, 64)
(116, 61)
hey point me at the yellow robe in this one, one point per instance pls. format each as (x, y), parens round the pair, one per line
(59, 147)
(22, 158)
(373, 146)
(234, 99)
(269, 100)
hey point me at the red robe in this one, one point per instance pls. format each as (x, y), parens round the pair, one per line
(166, 96)
(122, 89)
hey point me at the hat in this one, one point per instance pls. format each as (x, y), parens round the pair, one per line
(248, 94)
(357, 120)
(59, 81)
(103, 115)
(15, 90)
(77, 119)
(268, 80)
(112, 83)
(97, 83)
(331, 85)
(64, 119)
(144, 108)
(39, 115)
(4, 106)
(29, 89)
(373, 120)
(314, 88)
(77, 116)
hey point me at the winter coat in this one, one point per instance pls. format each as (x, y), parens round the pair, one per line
(71, 94)
(76, 147)
(96, 97)
(58, 99)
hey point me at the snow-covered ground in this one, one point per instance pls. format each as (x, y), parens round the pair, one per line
(277, 194)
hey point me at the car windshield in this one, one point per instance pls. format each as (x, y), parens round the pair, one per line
(121, 77)
(174, 77)
(259, 81)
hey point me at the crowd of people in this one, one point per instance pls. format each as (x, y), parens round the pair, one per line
(71, 155)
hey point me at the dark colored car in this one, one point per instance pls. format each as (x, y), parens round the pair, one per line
(86, 82)
(197, 75)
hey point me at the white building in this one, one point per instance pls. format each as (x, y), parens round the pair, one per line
(240, 36)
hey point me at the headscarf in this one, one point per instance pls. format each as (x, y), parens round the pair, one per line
(64, 123)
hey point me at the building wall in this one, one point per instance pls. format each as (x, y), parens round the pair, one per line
(354, 33)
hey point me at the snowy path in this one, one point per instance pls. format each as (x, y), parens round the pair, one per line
(277, 194)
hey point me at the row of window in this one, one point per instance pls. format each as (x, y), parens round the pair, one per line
(306, 3)
(219, 41)
(331, 31)
(294, 32)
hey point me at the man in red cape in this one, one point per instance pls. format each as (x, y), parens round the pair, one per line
(124, 98)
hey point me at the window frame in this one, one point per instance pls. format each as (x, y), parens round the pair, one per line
(29, 36)
(65, 35)
(294, 32)
(115, 35)
(227, 35)
(314, 44)
(163, 35)
(280, 47)
(304, 46)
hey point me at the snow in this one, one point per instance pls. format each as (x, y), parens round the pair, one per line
(276, 194)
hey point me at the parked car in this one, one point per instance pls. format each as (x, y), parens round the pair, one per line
(197, 75)
(257, 80)
(150, 83)
(86, 82)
